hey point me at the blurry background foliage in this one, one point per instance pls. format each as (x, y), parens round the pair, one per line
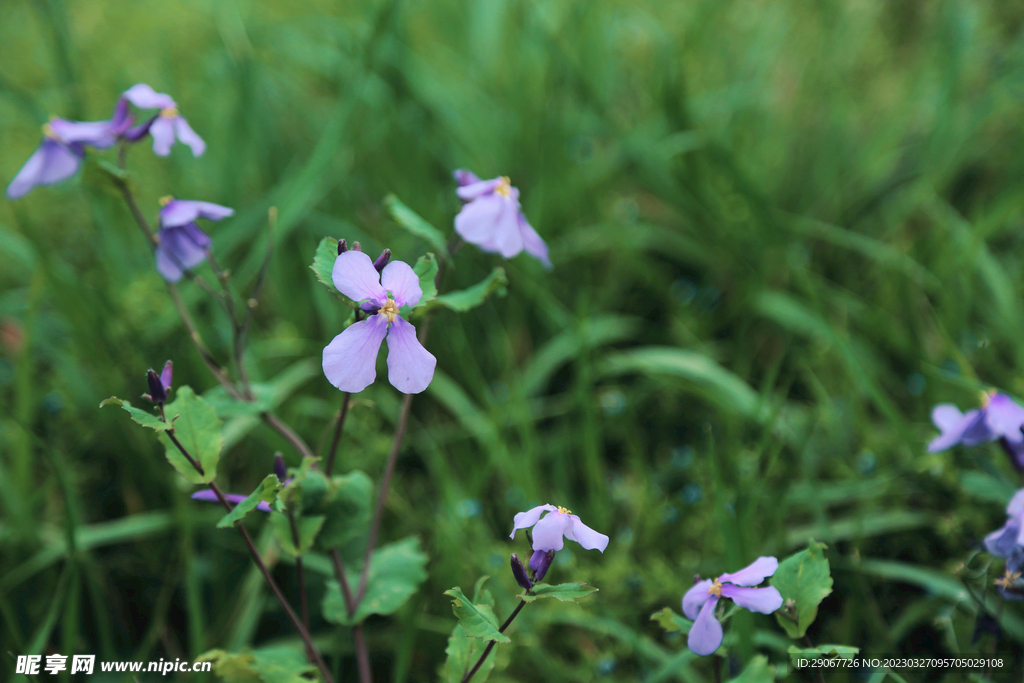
(781, 232)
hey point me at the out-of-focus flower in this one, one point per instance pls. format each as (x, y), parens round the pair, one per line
(60, 154)
(998, 417)
(1008, 539)
(350, 359)
(700, 601)
(159, 384)
(208, 496)
(558, 524)
(166, 126)
(1010, 585)
(181, 244)
(493, 220)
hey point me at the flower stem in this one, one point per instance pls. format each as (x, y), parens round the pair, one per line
(490, 645)
(299, 569)
(358, 637)
(340, 425)
(809, 644)
(288, 433)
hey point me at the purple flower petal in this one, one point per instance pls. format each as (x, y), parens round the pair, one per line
(51, 163)
(188, 136)
(977, 430)
(507, 239)
(1004, 417)
(208, 496)
(532, 242)
(144, 97)
(165, 376)
(1016, 505)
(98, 134)
(477, 189)
(706, 633)
(410, 366)
(946, 416)
(167, 265)
(763, 600)
(524, 520)
(350, 360)
(182, 211)
(549, 532)
(465, 177)
(162, 130)
(753, 574)
(1003, 541)
(399, 279)
(477, 221)
(954, 432)
(122, 119)
(180, 248)
(695, 598)
(585, 536)
(356, 278)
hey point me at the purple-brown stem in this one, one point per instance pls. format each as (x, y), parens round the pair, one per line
(490, 645)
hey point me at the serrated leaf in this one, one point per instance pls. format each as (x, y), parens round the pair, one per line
(426, 271)
(478, 620)
(804, 581)
(467, 299)
(197, 428)
(266, 492)
(566, 592)
(412, 222)
(283, 665)
(346, 506)
(138, 415)
(396, 571)
(829, 651)
(232, 667)
(308, 528)
(294, 494)
(757, 671)
(672, 622)
(323, 262)
(482, 596)
(463, 652)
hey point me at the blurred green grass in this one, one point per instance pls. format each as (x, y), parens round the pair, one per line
(781, 232)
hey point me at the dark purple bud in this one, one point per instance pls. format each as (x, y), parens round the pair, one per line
(279, 468)
(356, 247)
(157, 394)
(136, 133)
(382, 260)
(540, 562)
(342, 247)
(519, 572)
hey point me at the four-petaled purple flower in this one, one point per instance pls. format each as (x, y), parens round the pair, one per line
(493, 220)
(700, 601)
(558, 524)
(63, 147)
(350, 360)
(165, 126)
(998, 418)
(181, 244)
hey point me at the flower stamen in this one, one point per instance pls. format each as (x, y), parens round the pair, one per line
(564, 511)
(169, 112)
(390, 310)
(504, 187)
(164, 201)
(716, 588)
(1008, 580)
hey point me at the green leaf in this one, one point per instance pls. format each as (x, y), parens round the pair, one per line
(308, 528)
(757, 671)
(283, 665)
(346, 506)
(323, 262)
(396, 571)
(804, 581)
(463, 652)
(566, 592)
(142, 417)
(227, 406)
(197, 428)
(265, 492)
(426, 270)
(467, 299)
(478, 619)
(232, 667)
(411, 221)
(829, 651)
(671, 622)
(294, 495)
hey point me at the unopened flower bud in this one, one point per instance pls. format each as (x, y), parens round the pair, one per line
(540, 563)
(519, 572)
(279, 468)
(382, 260)
(157, 394)
(356, 247)
(166, 375)
(342, 247)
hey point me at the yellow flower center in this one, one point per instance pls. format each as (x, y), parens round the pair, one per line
(716, 588)
(169, 112)
(390, 309)
(1008, 580)
(564, 511)
(49, 132)
(164, 201)
(504, 187)
(986, 397)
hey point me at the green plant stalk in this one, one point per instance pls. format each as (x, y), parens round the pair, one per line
(490, 645)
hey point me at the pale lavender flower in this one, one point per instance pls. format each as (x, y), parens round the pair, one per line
(60, 154)
(350, 360)
(998, 419)
(181, 244)
(700, 601)
(1008, 539)
(493, 220)
(166, 126)
(558, 524)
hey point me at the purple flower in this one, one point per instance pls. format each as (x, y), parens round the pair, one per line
(700, 601)
(159, 384)
(493, 220)
(1009, 539)
(999, 417)
(208, 496)
(350, 359)
(60, 154)
(1010, 585)
(165, 126)
(181, 244)
(559, 523)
